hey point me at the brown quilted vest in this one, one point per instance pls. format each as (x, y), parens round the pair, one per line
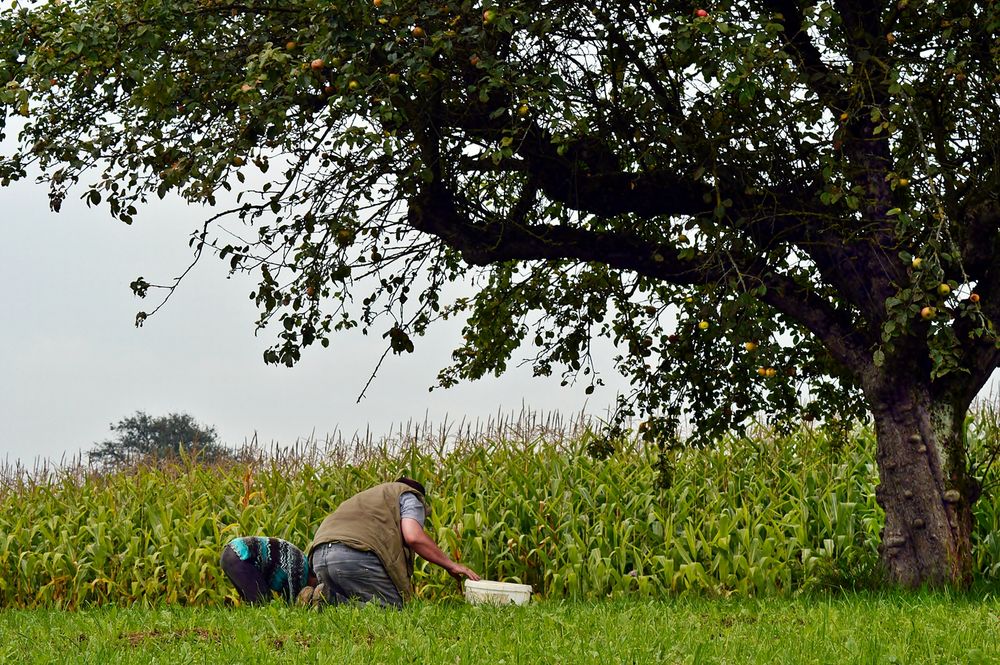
(369, 521)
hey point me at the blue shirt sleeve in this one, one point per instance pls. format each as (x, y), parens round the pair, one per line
(411, 507)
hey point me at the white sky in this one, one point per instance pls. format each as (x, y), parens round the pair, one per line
(72, 361)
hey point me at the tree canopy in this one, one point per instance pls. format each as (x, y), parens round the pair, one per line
(141, 436)
(754, 200)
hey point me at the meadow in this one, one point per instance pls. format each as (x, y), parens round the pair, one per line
(760, 549)
(841, 629)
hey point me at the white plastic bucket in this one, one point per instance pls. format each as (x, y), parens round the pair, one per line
(496, 593)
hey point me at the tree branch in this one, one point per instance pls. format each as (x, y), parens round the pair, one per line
(435, 210)
(832, 327)
(823, 80)
(587, 177)
(862, 26)
(979, 238)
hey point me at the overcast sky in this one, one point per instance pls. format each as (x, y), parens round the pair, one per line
(73, 362)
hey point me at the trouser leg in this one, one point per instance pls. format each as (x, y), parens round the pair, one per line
(245, 576)
(320, 564)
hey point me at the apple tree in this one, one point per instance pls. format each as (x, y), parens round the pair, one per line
(753, 200)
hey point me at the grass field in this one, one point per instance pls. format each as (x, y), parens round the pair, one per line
(838, 629)
(750, 555)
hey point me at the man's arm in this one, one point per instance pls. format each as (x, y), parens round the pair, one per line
(417, 540)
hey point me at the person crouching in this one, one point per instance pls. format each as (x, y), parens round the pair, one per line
(260, 566)
(364, 549)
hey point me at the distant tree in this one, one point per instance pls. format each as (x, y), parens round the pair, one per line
(142, 435)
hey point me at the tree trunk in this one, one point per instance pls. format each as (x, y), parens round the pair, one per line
(925, 489)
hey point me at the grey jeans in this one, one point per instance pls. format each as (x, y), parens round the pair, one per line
(350, 574)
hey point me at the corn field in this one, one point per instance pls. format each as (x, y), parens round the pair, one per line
(519, 501)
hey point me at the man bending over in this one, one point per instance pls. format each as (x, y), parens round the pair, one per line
(364, 549)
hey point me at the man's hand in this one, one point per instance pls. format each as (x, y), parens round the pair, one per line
(458, 571)
(417, 540)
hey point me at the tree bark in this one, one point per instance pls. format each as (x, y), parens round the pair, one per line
(925, 490)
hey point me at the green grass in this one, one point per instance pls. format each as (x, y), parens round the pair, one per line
(889, 628)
